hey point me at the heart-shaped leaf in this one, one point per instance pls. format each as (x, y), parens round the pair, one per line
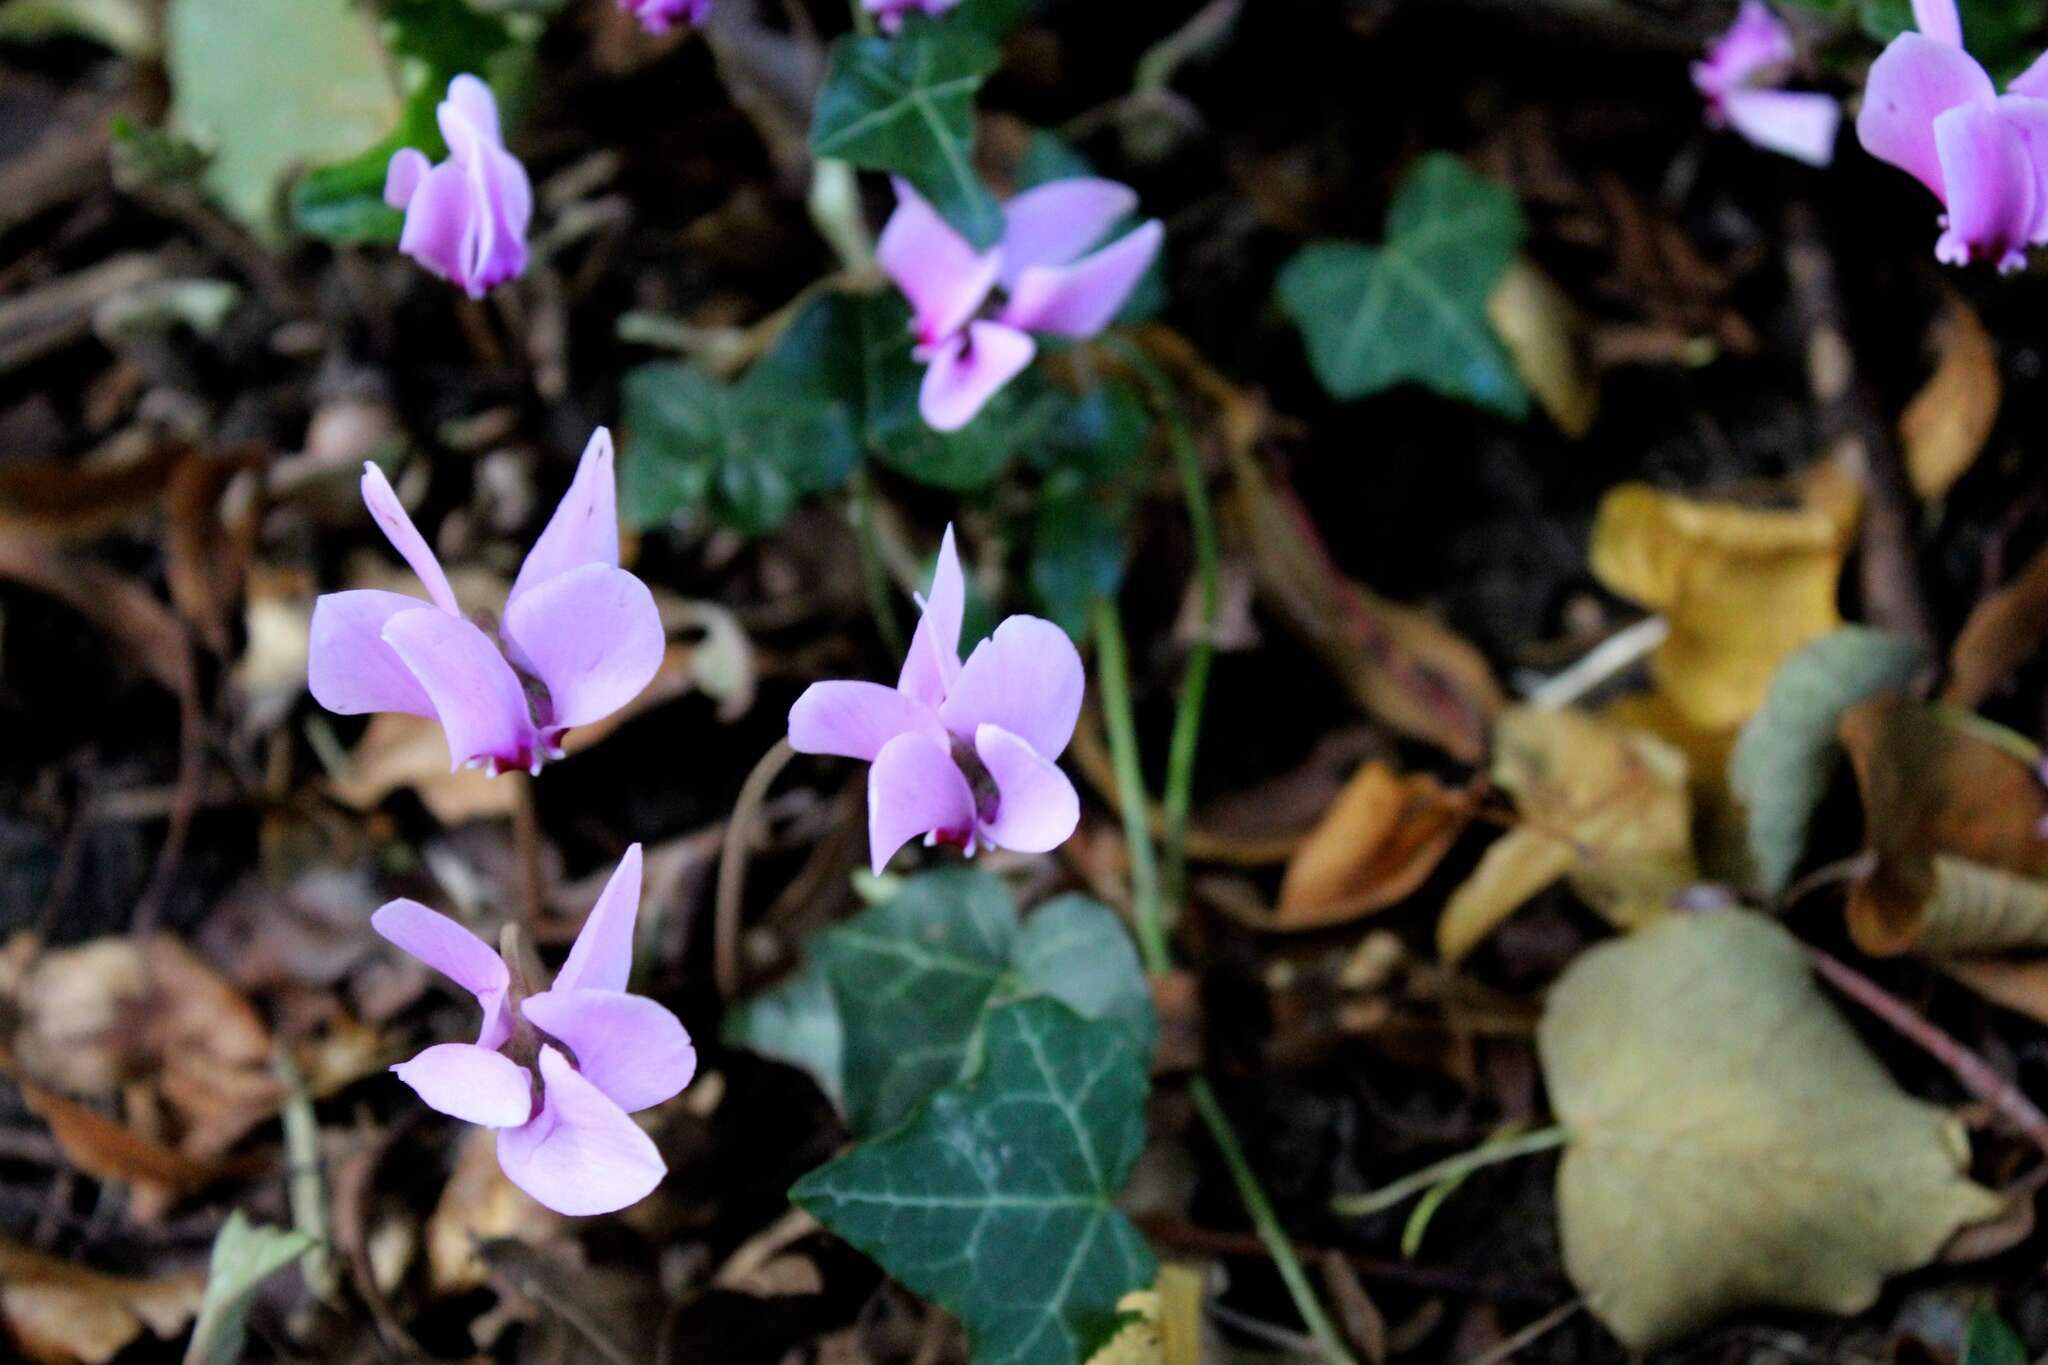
(1732, 1142)
(1414, 308)
(997, 1201)
(906, 104)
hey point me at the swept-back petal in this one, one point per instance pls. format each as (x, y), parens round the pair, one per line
(2032, 82)
(934, 658)
(349, 668)
(455, 953)
(632, 1049)
(1991, 188)
(1026, 678)
(601, 959)
(409, 166)
(1037, 807)
(390, 514)
(505, 199)
(1752, 46)
(937, 269)
(915, 788)
(471, 1083)
(442, 225)
(1798, 124)
(1051, 224)
(2027, 116)
(472, 100)
(1939, 20)
(1914, 81)
(967, 370)
(593, 635)
(853, 719)
(581, 1154)
(476, 694)
(1081, 299)
(585, 526)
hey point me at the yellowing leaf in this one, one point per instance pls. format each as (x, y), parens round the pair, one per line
(1546, 338)
(1600, 803)
(1733, 1144)
(1743, 587)
(1168, 1327)
(1379, 839)
(1944, 428)
(59, 1311)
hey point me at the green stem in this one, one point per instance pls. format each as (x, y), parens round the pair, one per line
(874, 578)
(1113, 675)
(863, 22)
(1268, 1225)
(1451, 1168)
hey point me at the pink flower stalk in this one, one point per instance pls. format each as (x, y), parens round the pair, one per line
(962, 754)
(1736, 80)
(889, 13)
(564, 1137)
(1931, 110)
(465, 219)
(579, 638)
(1051, 286)
(658, 16)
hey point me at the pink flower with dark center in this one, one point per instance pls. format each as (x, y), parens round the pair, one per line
(557, 1071)
(1932, 111)
(465, 219)
(658, 16)
(1736, 80)
(889, 13)
(578, 639)
(963, 754)
(1051, 286)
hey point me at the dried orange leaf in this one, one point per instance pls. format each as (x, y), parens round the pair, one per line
(1944, 428)
(62, 1312)
(1545, 335)
(2003, 631)
(1382, 836)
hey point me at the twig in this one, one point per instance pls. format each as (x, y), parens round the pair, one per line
(1617, 652)
(1450, 1168)
(873, 576)
(1974, 1073)
(732, 867)
(306, 1180)
(1510, 1346)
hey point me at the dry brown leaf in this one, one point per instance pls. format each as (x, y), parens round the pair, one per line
(2003, 631)
(2020, 984)
(1944, 428)
(480, 1205)
(204, 557)
(60, 1312)
(1545, 335)
(1401, 665)
(1936, 798)
(1379, 839)
(1742, 586)
(1600, 803)
(107, 1150)
(62, 500)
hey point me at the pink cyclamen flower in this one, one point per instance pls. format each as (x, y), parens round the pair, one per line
(465, 219)
(579, 637)
(1736, 80)
(658, 16)
(889, 13)
(962, 754)
(1931, 110)
(563, 1136)
(1051, 286)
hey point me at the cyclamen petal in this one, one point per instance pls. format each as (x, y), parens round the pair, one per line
(349, 669)
(916, 788)
(1053, 223)
(854, 719)
(455, 953)
(602, 956)
(1038, 808)
(1081, 299)
(585, 526)
(465, 219)
(934, 658)
(1795, 123)
(629, 1047)
(581, 1154)
(479, 699)
(1753, 47)
(1914, 81)
(471, 1083)
(658, 16)
(966, 371)
(937, 269)
(396, 524)
(1939, 20)
(1991, 188)
(593, 636)
(1026, 678)
(889, 13)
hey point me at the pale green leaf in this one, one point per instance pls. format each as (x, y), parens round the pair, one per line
(1732, 1143)
(797, 1023)
(275, 86)
(905, 103)
(1781, 764)
(245, 1254)
(1074, 950)
(997, 1201)
(1414, 308)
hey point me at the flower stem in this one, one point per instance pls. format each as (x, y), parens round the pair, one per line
(1451, 1168)
(1113, 675)
(874, 578)
(1267, 1225)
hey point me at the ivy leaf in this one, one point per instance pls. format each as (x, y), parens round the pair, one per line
(245, 1254)
(1733, 1144)
(797, 1023)
(906, 104)
(1781, 763)
(1077, 951)
(997, 1201)
(742, 452)
(1414, 308)
(1988, 1341)
(434, 40)
(275, 85)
